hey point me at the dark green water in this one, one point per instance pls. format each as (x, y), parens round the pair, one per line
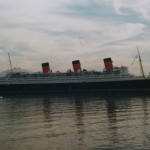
(75, 121)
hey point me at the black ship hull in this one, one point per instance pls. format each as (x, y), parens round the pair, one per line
(124, 85)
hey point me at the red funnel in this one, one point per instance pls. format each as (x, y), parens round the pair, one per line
(76, 66)
(45, 67)
(108, 64)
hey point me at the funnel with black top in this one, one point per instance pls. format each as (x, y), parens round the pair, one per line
(76, 65)
(45, 67)
(108, 64)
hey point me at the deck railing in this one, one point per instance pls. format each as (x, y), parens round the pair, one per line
(78, 78)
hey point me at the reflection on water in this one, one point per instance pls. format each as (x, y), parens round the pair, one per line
(79, 112)
(75, 121)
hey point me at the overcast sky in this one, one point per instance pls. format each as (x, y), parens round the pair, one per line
(60, 31)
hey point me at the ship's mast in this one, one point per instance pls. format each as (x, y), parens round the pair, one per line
(140, 61)
(10, 61)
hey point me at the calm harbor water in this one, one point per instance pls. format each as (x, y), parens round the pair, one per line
(75, 121)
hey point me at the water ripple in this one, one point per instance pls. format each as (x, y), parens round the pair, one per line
(75, 122)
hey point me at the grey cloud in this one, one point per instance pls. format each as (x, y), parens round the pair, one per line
(15, 48)
(44, 30)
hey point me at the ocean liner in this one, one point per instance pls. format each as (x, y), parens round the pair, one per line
(110, 79)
